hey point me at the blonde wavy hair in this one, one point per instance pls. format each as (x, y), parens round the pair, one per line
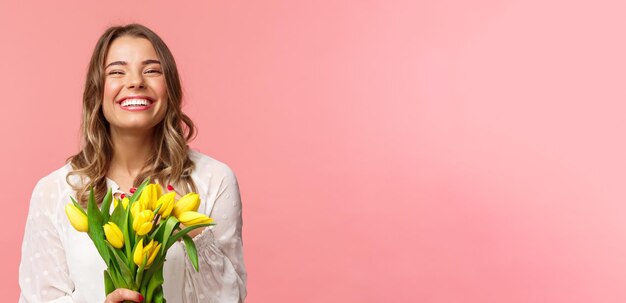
(169, 163)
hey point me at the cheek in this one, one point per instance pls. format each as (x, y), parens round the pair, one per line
(111, 89)
(160, 89)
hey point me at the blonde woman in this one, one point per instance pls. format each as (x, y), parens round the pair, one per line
(132, 128)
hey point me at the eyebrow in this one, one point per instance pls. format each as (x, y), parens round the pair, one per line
(145, 62)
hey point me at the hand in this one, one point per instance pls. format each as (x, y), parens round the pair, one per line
(122, 295)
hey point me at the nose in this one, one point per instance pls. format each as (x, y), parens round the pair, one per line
(136, 81)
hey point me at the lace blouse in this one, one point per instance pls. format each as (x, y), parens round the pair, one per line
(60, 264)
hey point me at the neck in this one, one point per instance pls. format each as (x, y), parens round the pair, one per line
(131, 150)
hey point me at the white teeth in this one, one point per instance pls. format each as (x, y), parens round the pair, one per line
(135, 102)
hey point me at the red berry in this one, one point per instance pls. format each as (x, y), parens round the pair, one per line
(133, 189)
(170, 187)
(122, 196)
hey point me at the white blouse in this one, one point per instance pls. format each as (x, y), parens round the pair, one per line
(60, 264)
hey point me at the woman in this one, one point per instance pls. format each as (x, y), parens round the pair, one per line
(133, 128)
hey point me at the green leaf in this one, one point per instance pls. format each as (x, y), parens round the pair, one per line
(106, 206)
(129, 236)
(156, 266)
(183, 232)
(155, 282)
(139, 276)
(115, 276)
(191, 251)
(157, 297)
(108, 283)
(96, 233)
(158, 232)
(128, 223)
(170, 225)
(119, 256)
(121, 265)
(117, 216)
(120, 279)
(137, 193)
(142, 290)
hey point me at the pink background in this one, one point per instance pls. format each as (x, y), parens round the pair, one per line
(387, 151)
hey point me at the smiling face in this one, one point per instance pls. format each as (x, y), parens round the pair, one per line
(135, 93)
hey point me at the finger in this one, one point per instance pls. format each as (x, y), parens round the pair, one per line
(123, 294)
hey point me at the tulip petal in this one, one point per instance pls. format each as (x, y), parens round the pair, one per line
(154, 251)
(77, 218)
(189, 202)
(166, 202)
(114, 234)
(138, 254)
(191, 218)
(144, 228)
(142, 223)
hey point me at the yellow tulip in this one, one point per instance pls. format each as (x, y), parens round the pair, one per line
(191, 218)
(153, 251)
(114, 234)
(138, 254)
(77, 218)
(149, 196)
(136, 209)
(142, 223)
(148, 253)
(167, 204)
(189, 202)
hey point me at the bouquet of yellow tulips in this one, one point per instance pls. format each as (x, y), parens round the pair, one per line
(133, 239)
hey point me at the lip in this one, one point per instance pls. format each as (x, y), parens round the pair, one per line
(136, 108)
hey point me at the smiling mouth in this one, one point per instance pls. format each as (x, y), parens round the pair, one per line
(136, 102)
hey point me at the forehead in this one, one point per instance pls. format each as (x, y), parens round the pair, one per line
(131, 50)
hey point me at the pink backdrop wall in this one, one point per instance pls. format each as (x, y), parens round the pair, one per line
(387, 151)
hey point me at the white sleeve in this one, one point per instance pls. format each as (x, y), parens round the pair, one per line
(222, 274)
(43, 273)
